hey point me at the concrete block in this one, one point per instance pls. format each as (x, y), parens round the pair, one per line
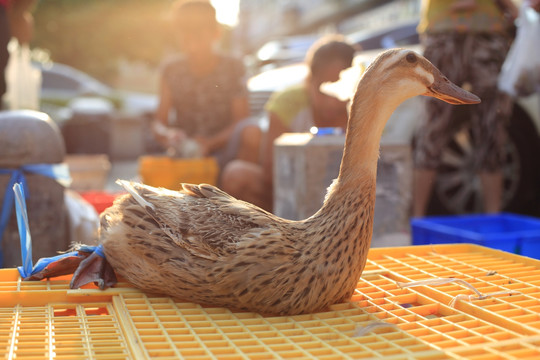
(31, 137)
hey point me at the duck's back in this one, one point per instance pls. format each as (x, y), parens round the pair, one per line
(199, 244)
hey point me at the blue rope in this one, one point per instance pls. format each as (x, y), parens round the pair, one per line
(59, 172)
(44, 262)
(24, 229)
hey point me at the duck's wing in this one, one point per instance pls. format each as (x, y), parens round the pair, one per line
(203, 219)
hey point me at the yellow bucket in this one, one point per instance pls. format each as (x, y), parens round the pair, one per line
(167, 172)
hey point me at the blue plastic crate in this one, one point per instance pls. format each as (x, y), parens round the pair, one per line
(509, 232)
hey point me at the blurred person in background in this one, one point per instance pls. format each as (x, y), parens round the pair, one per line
(205, 89)
(535, 4)
(295, 109)
(468, 41)
(16, 21)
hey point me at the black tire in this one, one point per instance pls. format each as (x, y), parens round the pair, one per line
(458, 190)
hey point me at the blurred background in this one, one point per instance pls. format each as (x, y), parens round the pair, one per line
(121, 42)
(114, 50)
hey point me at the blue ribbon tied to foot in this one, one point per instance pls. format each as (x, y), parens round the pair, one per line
(87, 263)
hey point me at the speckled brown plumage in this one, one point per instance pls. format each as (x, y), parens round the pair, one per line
(202, 245)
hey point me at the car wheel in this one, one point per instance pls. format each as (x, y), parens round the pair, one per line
(458, 189)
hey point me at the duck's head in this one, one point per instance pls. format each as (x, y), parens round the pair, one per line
(408, 73)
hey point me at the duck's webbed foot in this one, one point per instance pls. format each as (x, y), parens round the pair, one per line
(95, 268)
(87, 264)
(61, 265)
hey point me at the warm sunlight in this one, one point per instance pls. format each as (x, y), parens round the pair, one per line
(227, 11)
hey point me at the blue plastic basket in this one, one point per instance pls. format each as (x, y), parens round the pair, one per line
(509, 232)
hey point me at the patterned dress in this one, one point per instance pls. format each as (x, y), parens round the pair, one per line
(469, 48)
(203, 104)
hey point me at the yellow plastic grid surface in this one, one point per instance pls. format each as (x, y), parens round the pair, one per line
(488, 271)
(61, 331)
(47, 320)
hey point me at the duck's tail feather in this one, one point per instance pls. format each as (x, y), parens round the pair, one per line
(130, 188)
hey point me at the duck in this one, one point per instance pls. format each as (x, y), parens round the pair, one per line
(201, 245)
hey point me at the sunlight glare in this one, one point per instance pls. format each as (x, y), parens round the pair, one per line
(227, 11)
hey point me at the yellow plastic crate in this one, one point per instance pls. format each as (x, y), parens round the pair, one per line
(487, 270)
(167, 172)
(48, 320)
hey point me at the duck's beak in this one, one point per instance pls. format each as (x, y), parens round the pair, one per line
(445, 90)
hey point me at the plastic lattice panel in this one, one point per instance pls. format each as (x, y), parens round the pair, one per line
(424, 318)
(171, 330)
(62, 331)
(488, 271)
(48, 320)
(528, 348)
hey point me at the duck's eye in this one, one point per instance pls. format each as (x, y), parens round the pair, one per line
(411, 57)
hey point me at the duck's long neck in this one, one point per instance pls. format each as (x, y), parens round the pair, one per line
(353, 192)
(371, 109)
(345, 222)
